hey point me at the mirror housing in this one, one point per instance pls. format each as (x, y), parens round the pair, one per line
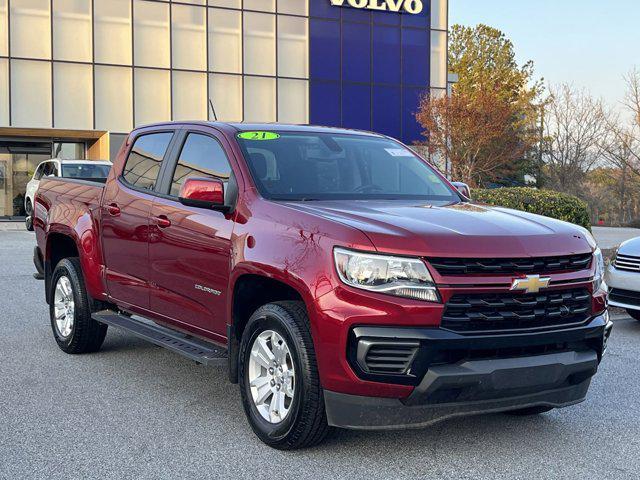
(463, 188)
(203, 193)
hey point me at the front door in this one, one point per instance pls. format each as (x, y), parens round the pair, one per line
(190, 248)
(126, 207)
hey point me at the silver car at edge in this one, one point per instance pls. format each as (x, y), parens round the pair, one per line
(623, 278)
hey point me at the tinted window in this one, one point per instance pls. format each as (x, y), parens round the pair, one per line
(49, 169)
(320, 166)
(143, 165)
(39, 170)
(85, 170)
(201, 157)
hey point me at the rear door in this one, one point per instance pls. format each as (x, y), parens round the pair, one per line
(190, 248)
(126, 207)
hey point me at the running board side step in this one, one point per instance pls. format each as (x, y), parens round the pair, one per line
(192, 348)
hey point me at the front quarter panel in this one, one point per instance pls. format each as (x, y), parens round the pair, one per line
(296, 248)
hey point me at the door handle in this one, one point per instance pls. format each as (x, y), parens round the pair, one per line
(113, 209)
(162, 221)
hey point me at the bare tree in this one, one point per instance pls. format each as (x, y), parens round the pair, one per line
(632, 96)
(575, 125)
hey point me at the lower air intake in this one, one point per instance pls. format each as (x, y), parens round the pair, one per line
(386, 358)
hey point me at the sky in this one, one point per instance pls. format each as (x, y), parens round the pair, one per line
(589, 43)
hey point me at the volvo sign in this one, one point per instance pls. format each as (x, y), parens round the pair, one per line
(410, 6)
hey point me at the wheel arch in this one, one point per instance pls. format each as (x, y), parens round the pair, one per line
(64, 243)
(249, 291)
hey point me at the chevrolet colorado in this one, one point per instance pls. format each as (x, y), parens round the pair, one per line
(341, 278)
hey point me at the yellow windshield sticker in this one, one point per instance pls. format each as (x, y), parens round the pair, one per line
(258, 135)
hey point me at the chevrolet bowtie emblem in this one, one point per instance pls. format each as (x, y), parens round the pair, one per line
(531, 283)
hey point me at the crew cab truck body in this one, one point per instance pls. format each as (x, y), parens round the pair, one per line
(344, 281)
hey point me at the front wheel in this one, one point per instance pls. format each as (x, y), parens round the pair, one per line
(635, 314)
(279, 382)
(70, 310)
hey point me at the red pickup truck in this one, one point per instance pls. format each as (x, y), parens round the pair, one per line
(341, 278)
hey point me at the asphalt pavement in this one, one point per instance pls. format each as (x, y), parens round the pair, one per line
(134, 410)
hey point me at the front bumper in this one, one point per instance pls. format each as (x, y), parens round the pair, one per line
(479, 385)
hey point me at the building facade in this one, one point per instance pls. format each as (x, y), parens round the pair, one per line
(77, 75)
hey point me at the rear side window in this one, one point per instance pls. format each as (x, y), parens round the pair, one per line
(201, 157)
(38, 174)
(143, 165)
(49, 169)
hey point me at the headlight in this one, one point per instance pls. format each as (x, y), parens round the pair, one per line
(599, 275)
(399, 276)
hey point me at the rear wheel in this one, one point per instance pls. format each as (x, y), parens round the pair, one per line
(28, 222)
(523, 412)
(70, 310)
(279, 381)
(635, 314)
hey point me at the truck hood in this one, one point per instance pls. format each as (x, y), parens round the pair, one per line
(460, 230)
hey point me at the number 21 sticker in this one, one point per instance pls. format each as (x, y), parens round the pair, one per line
(258, 135)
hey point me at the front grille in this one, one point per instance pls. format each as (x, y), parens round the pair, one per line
(506, 312)
(504, 266)
(386, 358)
(627, 262)
(626, 297)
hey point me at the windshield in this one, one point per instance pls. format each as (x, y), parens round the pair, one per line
(85, 170)
(323, 166)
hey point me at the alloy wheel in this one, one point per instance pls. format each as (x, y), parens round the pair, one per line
(271, 376)
(64, 307)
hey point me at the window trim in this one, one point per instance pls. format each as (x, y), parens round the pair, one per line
(167, 156)
(164, 185)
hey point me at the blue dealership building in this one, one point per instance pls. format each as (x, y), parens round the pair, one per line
(369, 68)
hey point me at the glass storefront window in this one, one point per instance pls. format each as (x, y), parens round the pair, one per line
(69, 150)
(225, 40)
(72, 30)
(259, 44)
(114, 99)
(4, 30)
(152, 94)
(189, 37)
(292, 46)
(31, 28)
(261, 5)
(30, 93)
(4, 92)
(438, 59)
(293, 101)
(73, 95)
(16, 169)
(294, 7)
(259, 99)
(189, 96)
(225, 92)
(151, 34)
(112, 24)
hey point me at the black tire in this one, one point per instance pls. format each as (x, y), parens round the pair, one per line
(86, 334)
(635, 314)
(306, 422)
(28, 222)
(524, 412)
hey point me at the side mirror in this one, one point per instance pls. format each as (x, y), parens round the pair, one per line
(463, 188)
(203, 193)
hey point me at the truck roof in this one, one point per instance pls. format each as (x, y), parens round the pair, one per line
(268, 127)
